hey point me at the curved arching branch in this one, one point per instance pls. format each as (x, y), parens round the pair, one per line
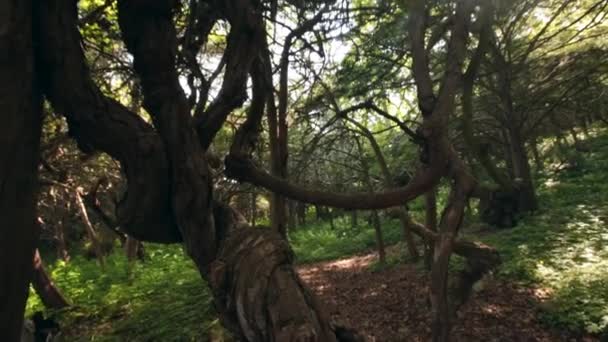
(243, 169)
(250, 271)
(100, 123)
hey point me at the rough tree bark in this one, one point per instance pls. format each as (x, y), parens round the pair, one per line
(20, 110)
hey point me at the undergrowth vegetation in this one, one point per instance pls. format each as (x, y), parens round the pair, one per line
(562, 249)
(318, 241)
(161, 299)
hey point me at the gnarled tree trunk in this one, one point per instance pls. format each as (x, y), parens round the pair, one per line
(250, 271)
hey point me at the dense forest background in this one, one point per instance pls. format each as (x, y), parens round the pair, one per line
(289, 170)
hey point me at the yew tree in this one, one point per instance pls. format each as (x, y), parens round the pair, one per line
(541, 58)
(167, 161)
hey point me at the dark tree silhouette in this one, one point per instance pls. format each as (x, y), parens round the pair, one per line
(20, 105)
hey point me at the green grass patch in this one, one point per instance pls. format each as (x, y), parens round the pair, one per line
(564, 246)
(161, 299)
(318, 241)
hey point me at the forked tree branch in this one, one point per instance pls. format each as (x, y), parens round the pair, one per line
(100, 123)
(243, 40)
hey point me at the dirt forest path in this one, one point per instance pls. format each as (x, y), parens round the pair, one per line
(391, 304)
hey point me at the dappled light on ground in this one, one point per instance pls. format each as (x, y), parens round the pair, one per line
(391, 304)
(563, 247)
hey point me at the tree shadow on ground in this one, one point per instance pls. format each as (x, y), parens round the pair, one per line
(391, 304)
